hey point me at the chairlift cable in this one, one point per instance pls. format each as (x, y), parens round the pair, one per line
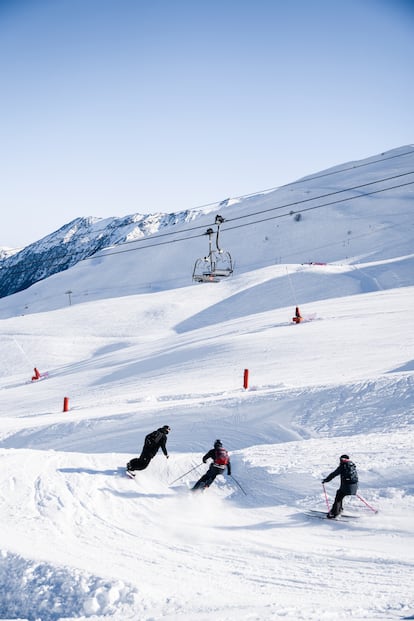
(186, 237)
(274, 217)
(276, 208)
(306, 179)
(310, 178)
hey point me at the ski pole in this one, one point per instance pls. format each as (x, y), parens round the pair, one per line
(365, 502)
(326, 495)
(185, 473)
(235, 480)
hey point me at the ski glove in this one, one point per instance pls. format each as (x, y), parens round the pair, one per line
(324, 481)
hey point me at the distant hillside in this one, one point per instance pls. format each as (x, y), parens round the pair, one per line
(74, 242)
(354, 213)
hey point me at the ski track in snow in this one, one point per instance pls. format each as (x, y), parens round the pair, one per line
(77, 508)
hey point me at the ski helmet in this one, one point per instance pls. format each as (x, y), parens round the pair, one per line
(344, 457)
(166, 429)
(217, 443)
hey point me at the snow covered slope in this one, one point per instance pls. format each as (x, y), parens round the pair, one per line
(138, 348)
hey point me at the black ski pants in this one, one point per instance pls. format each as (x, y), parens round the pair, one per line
(208, 478)
(142, 462)
(337, 507)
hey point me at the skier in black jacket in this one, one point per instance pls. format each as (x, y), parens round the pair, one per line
(153, 441)
(221, 461)
(349, 483)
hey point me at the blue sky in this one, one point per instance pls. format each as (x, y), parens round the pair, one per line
(112, 107)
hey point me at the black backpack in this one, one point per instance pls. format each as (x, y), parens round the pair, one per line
(153, 438)
(350, 472)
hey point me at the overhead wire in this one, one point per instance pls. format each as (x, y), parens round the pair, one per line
(264, 211)
(306, 179)
(148, 241)
(187, 237)
(313, 198)
(310, 178)
(341, 200)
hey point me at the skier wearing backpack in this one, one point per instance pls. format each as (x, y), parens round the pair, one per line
(153, 441)
(221, 461)
(349, 483)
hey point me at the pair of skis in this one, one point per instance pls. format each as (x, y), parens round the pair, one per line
(322, 515)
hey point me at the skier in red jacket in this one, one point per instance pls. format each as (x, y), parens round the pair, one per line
(221, 461)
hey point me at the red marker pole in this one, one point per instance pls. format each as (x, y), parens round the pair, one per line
(66, 404)
(246, 379)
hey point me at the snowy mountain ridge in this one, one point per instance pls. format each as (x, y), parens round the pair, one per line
(345, 189)
(75, 241)
(354, 213)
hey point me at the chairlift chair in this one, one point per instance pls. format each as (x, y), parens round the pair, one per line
(217, 264)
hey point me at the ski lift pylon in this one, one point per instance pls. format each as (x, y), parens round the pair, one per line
(217, 264)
